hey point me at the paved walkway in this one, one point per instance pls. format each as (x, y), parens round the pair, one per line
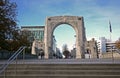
(66, 61)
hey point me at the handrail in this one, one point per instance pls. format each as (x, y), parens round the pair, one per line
(11, 59)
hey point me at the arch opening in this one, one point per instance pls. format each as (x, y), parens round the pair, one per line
(65, 39)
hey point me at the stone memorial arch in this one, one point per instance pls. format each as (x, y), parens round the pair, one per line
(78, 25)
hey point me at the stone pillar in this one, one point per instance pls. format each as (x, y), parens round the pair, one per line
(46, 41)
(33, 48)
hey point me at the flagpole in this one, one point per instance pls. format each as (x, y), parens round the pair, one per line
(110, 30)
(110, 37)
(111, 46)
(111, 40)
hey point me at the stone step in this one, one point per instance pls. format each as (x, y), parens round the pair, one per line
(65, 68)
(67, 64)
(66, 61)
(62, 76)
(64, 72)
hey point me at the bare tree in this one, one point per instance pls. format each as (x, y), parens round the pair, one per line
(66, 53)
(64, 47)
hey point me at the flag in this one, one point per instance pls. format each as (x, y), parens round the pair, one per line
(110, 27)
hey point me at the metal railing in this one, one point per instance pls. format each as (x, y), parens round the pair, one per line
(11, 59)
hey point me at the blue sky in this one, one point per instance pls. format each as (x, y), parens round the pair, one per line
(65, 34)
(96, 13)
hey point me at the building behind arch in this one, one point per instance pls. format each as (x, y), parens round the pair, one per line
(37, 39)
